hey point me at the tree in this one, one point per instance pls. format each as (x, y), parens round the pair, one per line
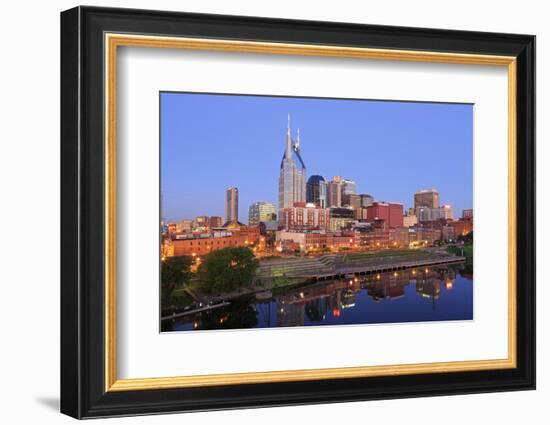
(227, 269)
(468, 238)
(174, 273)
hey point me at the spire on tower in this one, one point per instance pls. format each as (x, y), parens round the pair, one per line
(288, 125)
(297, 144)
(288, 150)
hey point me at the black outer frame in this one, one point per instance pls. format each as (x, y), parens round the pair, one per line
(82, 206)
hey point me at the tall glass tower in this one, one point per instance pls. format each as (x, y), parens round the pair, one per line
(316, 191)
(292, 176)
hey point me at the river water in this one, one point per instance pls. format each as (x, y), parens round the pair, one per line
(416, 295)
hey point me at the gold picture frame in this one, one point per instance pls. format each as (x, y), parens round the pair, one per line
(114, 41)
(91, 40)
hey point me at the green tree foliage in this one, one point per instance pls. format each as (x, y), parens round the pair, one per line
(227, 269)
(175, 272)
(467, 238)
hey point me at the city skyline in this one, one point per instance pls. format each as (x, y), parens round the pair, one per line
(200, 161)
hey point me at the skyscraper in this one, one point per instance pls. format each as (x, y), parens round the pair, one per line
(316, 191)
(232, 204)
(351, 200)
(426, 198)
(348, 187)
(334, 192)
(292, 176)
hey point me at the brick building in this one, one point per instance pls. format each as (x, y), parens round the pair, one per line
(310, 241)
(205, 243)
(390, 212)
(305, 216)
(462, 226)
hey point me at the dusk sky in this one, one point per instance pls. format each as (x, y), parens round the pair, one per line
(391, 149)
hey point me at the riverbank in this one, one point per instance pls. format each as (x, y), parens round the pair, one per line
(333, 265)
(466, 250)
(275, 275)
(260, 285)
(391, 297)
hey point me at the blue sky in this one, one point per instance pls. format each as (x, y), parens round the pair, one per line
(391, 149)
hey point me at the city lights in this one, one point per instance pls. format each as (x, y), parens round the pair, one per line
(275, 243)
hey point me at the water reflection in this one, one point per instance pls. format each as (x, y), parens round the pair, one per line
(443, 293)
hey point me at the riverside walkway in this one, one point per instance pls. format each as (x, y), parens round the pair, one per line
(339, 265)
(195, 311)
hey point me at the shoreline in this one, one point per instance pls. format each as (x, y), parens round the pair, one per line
(273, 283)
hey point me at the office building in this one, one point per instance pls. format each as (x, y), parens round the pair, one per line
(232, 204)
(215, 221)
(348, 187)
(424, 214)
(468, 214)
(292, 175)
(261, 211)
(426, 198)
(366, 200)
(304, 216)
(334, 192)
(445, 212)
(351, 200)
(390, 212)
(340, 218)
(410, 220)
(316, 191)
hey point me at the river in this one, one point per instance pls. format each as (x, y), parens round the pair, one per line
(415, 295)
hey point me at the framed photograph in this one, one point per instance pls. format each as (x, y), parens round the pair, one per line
(261, 212)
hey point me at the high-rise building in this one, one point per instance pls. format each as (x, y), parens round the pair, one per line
(348, 187)
(351, 200)
(316, 191)
(292, 176)
(334, 192)
(445, 212)
(424, 214)
(426, 198)
(261, 212)
(468, 213)
(232, 204)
